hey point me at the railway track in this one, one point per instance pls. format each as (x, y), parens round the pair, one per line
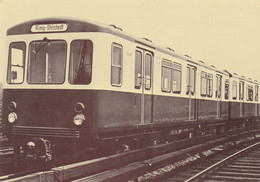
(238, 164)
(138, 164)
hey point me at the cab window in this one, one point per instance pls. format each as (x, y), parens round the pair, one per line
(80, 71)
(16, 59)
(47, 62)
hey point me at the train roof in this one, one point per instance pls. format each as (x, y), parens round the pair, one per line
(241, 77)
(73, 25)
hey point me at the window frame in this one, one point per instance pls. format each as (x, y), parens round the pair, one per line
(9, 62)
(117, 66)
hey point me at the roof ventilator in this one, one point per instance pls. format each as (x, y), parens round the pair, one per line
(170, 49)
(116, 27)
(147, 39)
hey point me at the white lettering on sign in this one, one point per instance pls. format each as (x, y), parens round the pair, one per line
(49, 27)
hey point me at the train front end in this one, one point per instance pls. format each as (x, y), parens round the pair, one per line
(47, 106)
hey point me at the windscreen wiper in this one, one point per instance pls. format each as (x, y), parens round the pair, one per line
(44, 41)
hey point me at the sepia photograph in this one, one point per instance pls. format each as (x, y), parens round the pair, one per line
(129, 90)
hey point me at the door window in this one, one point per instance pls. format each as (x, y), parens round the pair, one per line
(191, 77)
(138, 69)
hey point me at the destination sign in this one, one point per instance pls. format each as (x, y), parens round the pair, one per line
(61, 27)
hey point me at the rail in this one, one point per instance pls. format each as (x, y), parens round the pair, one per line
(218, 164)
(135, 163)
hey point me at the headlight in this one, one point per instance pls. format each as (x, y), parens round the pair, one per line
(79, 119)
(31, 145)
(12, 117)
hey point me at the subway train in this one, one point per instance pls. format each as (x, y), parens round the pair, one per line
(76, 87)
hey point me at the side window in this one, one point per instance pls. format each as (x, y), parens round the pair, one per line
(210, 85)
(80, 71)
(256, 93)
(116, 65)
(226, 89)
(206, 84)
(166, 75)
(16, 59)
(249, 92)
(203, 89)
(219, 83)
(176, 78)
(138, 69)
(241, 90)
(191, 77)
(234, 90)
(148, 61)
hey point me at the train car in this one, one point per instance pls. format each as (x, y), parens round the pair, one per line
(74, 87)
(251, 100)
(244, 97)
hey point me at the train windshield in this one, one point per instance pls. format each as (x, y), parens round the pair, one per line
(80, 62)
(47, 61)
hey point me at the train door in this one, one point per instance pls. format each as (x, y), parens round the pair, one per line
(190, 91)
(143, 82)
(256, 100)
(241, 98)
(218, 95)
